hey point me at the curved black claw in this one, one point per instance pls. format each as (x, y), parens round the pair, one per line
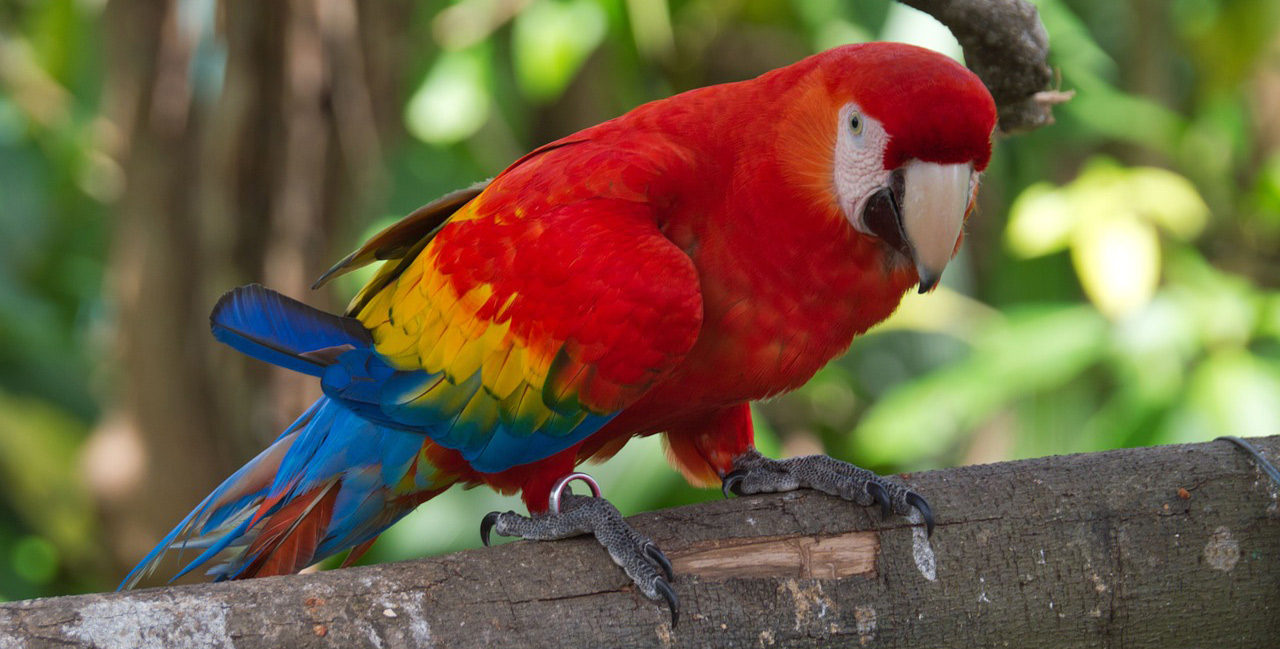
(669, 594)
(926, 512)
(486, 526)
(731, 481)
(1263, 464)
(656, 555)
(881, 496)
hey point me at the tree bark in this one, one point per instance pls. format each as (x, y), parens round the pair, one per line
(1174, 546)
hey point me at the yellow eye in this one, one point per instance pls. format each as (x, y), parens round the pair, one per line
(855, 123)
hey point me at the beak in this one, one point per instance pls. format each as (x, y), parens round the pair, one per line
(921, 213)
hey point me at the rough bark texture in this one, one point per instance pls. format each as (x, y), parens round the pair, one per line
(1175, 546)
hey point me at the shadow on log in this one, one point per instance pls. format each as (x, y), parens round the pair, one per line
(1173, 546)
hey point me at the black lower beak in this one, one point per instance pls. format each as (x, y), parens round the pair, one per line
(883, 215)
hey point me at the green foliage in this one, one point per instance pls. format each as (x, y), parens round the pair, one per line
(53, 241)
(52, 539)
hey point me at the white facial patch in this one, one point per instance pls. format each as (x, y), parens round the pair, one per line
(859, 162)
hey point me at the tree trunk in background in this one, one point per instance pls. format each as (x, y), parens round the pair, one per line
(235, 174)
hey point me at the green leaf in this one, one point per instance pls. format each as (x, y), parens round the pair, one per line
(1118, 261)
(1034, 350)
(1168, 199)
(1232, 393)
(551, 41)
(1109, 216)
(39, 446)
(453, 101)
(1040, 221)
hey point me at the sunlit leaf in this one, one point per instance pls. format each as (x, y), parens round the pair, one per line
(1168, 199)
(453, 101)
(1118, 261)
(651, 27)
(465, 23)
(551, 40)
(910, 25)
(1109, 216)
(1040, 221)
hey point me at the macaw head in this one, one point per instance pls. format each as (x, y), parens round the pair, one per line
(908, 131)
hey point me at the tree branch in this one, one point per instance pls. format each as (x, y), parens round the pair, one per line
(1006, 45)
(1164, 546)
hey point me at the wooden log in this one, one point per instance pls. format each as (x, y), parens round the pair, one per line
(1173, 546)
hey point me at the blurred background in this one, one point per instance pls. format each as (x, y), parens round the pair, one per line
(1118, 286)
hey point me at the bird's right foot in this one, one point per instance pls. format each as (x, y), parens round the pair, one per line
(572, 515)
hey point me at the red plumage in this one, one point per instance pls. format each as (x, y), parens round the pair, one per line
(652, 274)
(737, 180)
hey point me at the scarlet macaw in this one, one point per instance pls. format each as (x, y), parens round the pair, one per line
(651, 274)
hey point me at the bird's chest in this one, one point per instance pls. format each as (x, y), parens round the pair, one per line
(777, 308)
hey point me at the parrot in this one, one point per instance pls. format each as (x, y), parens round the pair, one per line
(650, 275)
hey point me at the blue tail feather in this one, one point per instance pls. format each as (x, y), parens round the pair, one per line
(270, 327)
(328, 442)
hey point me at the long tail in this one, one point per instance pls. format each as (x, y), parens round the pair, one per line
(332, 481)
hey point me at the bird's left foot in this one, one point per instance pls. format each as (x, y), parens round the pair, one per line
(572, 515)
(754, 473)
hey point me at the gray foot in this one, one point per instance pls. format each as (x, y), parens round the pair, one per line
(637, 555)
(754, 473)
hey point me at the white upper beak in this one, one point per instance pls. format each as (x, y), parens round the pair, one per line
(934, 203)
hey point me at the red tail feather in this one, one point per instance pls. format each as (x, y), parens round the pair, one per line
(289, 539)
(358, 552)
